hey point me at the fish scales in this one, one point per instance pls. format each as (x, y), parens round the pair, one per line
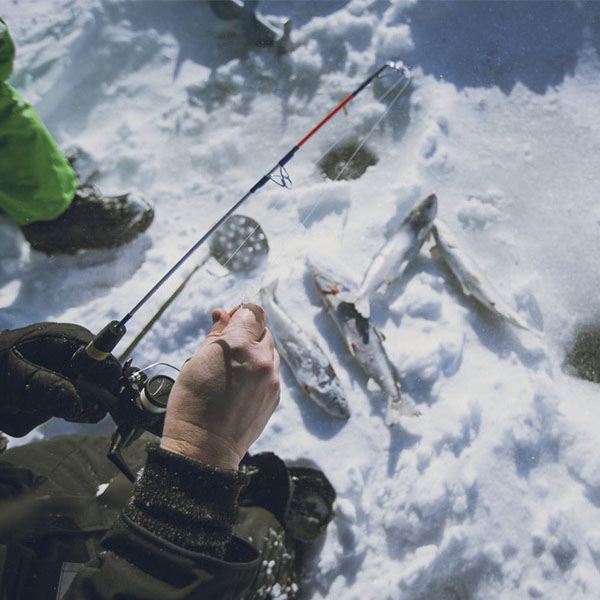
(365, 343)
(395, 255)
(305, 358)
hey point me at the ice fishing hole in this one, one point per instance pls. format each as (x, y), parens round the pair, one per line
(583, 359)
(332, 164)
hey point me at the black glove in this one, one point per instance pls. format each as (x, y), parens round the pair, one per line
(36, 382)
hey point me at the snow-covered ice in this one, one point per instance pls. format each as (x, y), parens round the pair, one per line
(494, 491)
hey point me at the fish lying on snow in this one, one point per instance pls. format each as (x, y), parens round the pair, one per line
(304, 356)
(394, 256)
(365, 342)
(470, 276)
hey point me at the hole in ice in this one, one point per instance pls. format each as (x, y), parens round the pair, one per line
(332, 164)
(584, 356)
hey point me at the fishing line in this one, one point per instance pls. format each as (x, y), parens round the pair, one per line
(406, 78)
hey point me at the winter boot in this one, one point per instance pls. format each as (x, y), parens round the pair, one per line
(311, 504)
(282, 510)
(92, 221)
(301, 498)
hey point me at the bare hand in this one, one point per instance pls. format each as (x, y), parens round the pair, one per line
(226, 392)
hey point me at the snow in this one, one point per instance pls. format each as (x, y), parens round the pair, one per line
(494, 491)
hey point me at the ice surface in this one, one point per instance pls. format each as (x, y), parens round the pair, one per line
(494, 491)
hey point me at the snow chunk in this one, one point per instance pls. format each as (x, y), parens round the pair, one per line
(322, 200)
(418, 572)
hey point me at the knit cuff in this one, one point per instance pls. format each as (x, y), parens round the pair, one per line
(186, 502)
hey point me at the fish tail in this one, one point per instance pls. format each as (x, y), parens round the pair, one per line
(397, 408)
(360, 303)
(267, 293)
(517, 321)
(362, 306)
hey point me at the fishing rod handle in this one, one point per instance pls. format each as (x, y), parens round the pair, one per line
(87, 357)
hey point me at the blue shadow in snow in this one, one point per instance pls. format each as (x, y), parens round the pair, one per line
(483, 43)
(592, 16)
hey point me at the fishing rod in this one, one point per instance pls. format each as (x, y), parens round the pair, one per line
(142, 401)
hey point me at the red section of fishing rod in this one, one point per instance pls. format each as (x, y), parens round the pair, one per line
(324, 120)
(341, 105)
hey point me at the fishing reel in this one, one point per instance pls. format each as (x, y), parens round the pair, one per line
(141, 406)
(141, 401)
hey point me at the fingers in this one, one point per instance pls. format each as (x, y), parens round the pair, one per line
(39, 387)
(65, 332)
(268, 341)
(220, 319)
(276, 372)
(252, 318)
(219, 315)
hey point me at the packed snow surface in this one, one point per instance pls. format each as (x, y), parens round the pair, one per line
(494, 491)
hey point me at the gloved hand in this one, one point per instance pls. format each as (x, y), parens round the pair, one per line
(35, 382)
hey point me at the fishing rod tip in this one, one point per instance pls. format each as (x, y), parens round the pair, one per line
(398, 65)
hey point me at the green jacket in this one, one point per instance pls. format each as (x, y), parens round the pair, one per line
(36, 180)
(64, 531)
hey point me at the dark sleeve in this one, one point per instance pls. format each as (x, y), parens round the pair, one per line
(173, 540)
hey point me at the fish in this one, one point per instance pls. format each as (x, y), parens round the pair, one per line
(470, 276)
(365, 343)
(305, 358)
(394, 256)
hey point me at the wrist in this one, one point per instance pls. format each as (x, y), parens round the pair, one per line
(200, 445)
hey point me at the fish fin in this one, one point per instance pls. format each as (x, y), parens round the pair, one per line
(517, 321)
(397, 408)
(380, 334)
(362, 306)
(465, 290)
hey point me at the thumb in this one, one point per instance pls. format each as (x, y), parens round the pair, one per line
(252, 318)
(220, 319)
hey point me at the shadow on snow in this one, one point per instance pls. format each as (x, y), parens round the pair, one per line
(482, 44)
